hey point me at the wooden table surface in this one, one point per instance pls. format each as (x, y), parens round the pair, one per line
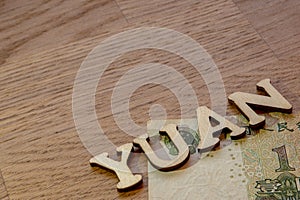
(43, 44)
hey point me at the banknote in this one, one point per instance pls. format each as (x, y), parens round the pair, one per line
(264, 165)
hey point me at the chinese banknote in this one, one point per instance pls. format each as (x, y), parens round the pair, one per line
(265, 165)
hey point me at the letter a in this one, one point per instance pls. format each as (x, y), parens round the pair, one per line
(206, 131)
(161, 164)
(127, 179)
(275, 102)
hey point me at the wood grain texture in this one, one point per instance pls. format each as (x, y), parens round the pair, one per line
(3, 191)
(241, 54)
(41, 154)
(277, 21)
(28, 27)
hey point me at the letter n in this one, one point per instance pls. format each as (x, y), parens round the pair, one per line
(274, 102)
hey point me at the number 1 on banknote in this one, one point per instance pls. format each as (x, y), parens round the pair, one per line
(285, 186)
(283, 159)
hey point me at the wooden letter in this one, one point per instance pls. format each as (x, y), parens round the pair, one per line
(275, 102)
(161, 164)
(127, 179)
(206, 131)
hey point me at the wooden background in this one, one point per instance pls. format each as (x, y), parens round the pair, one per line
(43, 43)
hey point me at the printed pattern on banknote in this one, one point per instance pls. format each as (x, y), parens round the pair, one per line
(265, 165)
(271, 158)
